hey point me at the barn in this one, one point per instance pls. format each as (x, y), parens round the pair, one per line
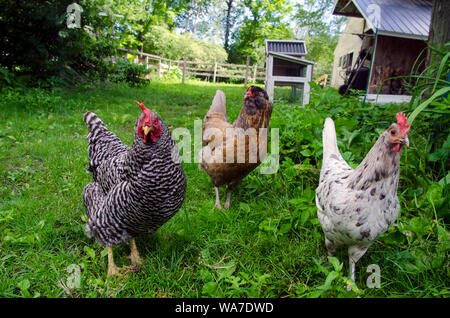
(391, 35)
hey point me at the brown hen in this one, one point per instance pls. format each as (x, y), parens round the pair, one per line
(232, 151)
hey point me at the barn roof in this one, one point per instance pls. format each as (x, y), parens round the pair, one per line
(288, 47)
(402, 18)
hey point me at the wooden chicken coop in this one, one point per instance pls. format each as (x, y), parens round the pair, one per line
(286, 66)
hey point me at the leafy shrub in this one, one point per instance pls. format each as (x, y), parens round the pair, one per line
(124, 71)
(37, 44)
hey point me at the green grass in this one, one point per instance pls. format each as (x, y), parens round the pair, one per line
(268, 244)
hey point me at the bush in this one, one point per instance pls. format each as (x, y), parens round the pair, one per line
(40, 48)
(124, 71)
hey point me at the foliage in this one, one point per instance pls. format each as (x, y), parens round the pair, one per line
(320, 30)
(311, 18)
(165, 43)
(124, 71)
(321, 48)
(433, 83)
(265, 22)
(39, 46)
(139, 16)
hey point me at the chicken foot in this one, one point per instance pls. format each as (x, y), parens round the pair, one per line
(134, 255)
(354, 254)
(136, 260)
(227, 202)
(217, 205)
(113, 270)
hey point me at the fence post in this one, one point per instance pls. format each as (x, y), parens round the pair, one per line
(255, 68)
(147, 67)
(215, 72)
(184, 68)
(246, 70)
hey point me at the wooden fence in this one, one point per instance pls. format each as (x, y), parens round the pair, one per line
(212, 71)
(322, 74)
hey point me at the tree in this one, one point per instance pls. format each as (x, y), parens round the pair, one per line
(38, 41)
(311, 18)
(140, 15)
(321, 36)
(439, 33)
(263, 21)
(194, 11)
(229, 9)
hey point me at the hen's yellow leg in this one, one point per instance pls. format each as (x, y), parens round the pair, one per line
(112, 268)
(134, 255)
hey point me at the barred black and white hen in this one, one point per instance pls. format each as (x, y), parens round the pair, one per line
(354, 207)
(136, 189)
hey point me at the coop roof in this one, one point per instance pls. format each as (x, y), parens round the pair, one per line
(288, 47)
(402, 18)
(292, 59)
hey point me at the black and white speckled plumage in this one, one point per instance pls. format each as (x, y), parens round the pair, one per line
(355, 206)
(136, 189)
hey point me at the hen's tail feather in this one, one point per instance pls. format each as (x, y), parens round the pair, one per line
(103, 144)
(218, 104)
(92, 199)
(92, 121)
(329, 140)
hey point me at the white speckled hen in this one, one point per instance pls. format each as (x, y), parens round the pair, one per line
(354, 207)
(136, 189)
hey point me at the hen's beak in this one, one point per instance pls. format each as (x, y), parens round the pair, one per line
(405, 141)
(146, 129)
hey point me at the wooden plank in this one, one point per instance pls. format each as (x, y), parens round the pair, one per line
(246, 70)
(199, 74)
(232, 65)
(200, 69)
(184, 68)
(199, 63)
(222, 70)
(269, 78)
(307, 88)
(290, 79)
(215, 72)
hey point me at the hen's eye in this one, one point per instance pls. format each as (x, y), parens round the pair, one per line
(393, 132)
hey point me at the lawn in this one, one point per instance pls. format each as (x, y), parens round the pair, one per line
(268, 244)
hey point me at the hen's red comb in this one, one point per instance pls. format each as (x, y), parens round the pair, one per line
(146, 111)
(249, 91)
(401, 121)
